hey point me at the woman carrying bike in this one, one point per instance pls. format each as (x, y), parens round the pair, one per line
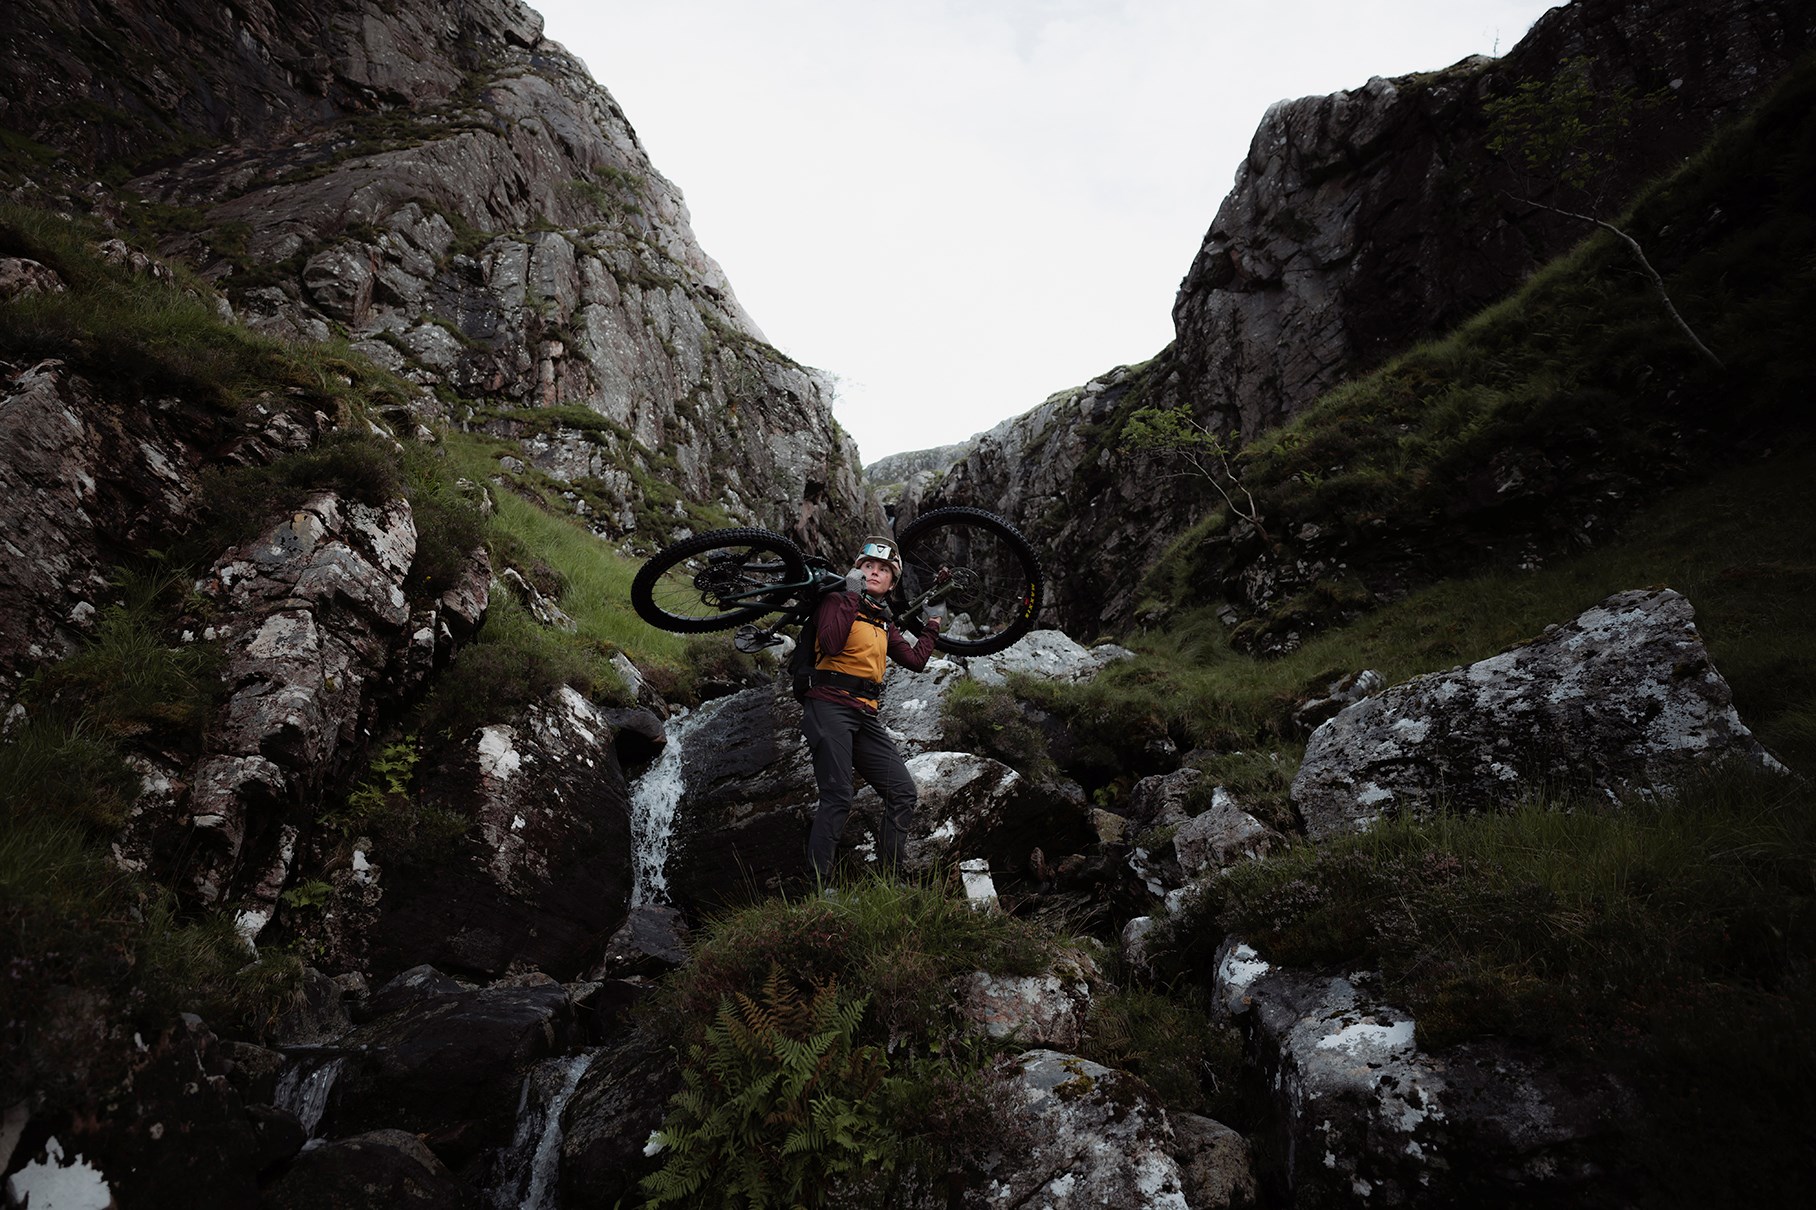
(855, 639)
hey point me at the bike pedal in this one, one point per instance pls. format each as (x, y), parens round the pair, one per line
(752, 639)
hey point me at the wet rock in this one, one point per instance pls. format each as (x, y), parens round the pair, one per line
(379, 1170)
(638, 736)
(622, 1099)
(544, 872)
(651, 941)
(741, 828)
(1623, 699)
(448, 1064)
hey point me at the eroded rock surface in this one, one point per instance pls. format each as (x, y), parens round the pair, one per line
(1622, 699)
(457, 193)
(1361, 1113)
(1099, 1139)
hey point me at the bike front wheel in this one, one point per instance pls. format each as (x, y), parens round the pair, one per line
(714, 581)
(991, 589)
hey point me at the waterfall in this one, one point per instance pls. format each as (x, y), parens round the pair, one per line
(654, 798)
(303, 1090)
(527, 1169)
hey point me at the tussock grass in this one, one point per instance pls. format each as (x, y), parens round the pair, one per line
(144, 334)
(918, 1102)
(1670, 941)
(904, 943)
(1737, 546)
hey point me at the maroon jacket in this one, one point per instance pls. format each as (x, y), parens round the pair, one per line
(848, 628)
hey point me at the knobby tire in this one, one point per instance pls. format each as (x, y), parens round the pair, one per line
(678, 588)
(1001, 595)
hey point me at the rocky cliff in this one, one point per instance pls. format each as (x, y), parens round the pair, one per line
(1360, 223)
(452, 194)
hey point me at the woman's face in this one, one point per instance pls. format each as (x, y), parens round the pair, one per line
(878, 576)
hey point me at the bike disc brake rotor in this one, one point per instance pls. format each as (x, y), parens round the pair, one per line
(723, 576)
(963, 592)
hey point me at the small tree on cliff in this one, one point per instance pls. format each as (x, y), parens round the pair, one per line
(1566, 129)
(1209, 455)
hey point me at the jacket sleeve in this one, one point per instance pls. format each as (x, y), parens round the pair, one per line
(832, 624)
(912, 658)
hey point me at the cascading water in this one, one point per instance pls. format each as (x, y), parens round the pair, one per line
(303, 1089)
(527, 1169)
(654, 798)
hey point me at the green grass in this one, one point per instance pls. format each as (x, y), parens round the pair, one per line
(1671, 942)
(1579, 380)
(845, 1003)
(1748, 578)
(137, 333)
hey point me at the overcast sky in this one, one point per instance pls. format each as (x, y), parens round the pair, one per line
(957, 207)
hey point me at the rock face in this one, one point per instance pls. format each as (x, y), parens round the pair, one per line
(83, 483)
(456, 193)
(1360, 223)
(315, 636)
(1622, 699)
(1362, 1115)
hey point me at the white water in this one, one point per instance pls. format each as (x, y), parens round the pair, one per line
(528, 1167)
(304, 1089)
(654, 798)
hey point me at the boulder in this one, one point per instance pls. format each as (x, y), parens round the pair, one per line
(1221, 836)
(1359, 1111)
(448, 1064)
(970, 807)
(1164, 799)
(748, 798)
(21, 277)
(1216, 1164)
(651, 941)
(1047, 654)
(1048, 1009)
(1623, 699)
(1098, 1138)
(543, 875)
(914, 704)
(379, 1170)
(621, 1101)
(173, 1119)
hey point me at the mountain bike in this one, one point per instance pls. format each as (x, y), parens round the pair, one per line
(969, 567)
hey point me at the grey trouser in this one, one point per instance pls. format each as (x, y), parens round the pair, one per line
(841, 738)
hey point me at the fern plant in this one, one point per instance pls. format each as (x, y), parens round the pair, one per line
(779, 1103)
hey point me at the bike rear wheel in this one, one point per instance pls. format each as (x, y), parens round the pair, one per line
(714, 581)
(993, 587)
